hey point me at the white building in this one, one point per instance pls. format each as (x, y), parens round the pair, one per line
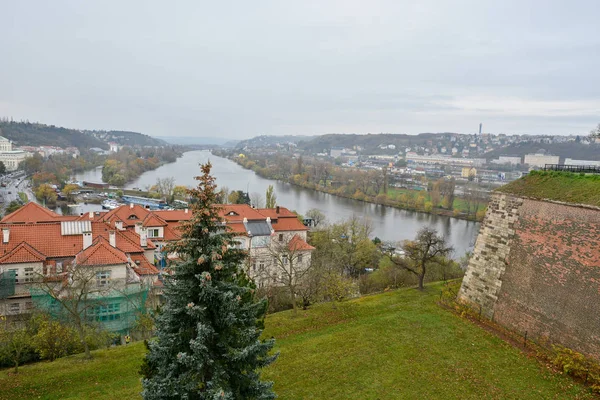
(570, 161)
(11, 158)
(507, 160)
(540, 160)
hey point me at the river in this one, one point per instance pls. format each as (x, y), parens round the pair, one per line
(389, 224)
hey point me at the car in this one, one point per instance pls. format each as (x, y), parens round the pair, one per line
(9, 192)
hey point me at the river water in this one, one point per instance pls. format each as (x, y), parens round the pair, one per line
(389, 224)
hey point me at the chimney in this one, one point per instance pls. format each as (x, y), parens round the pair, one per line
(186, 210)
(87, 239)
(144, 236)
(112, 238)
(269, 220)
(119, 225)
(91, 215)
(130, 205)
(277, 210)
(138, 227)
(5, 235)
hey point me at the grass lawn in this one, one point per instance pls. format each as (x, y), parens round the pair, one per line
(397, 345)
(560, 186)
(23, 197)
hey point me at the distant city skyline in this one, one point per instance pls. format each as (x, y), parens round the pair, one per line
(238, 70)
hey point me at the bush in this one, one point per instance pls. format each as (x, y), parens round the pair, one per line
(577, 365)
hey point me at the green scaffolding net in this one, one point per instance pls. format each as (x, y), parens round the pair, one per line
(7, 284)
(114, 310)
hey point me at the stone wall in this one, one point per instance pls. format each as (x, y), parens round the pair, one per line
(536, 269)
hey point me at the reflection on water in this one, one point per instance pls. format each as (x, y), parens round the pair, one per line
(388, 223)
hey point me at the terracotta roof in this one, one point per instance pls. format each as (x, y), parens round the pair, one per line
(174, 215)
(297, 243)
(101, 253)
(143, 266)
(45, 238)
(125, 214)
(33, 212)
(154, 220)
(96, 216)
(172, 231)
(240, 211)
(288, 224)
(126, 241)
(273, 214)
(23, 253)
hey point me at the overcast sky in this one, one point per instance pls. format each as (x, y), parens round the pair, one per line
(243, 68)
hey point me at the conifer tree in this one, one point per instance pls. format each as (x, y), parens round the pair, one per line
(207, 344)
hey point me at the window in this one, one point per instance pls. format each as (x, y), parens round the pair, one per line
(299, 258)
(14, 308)
(28, 275)
(16, 271)
(261, 266)
(284, 259)
(281, 237)
(106, 312)
(253, 266)
(102, 278)
(29, 305)
(154, 232)
(260, 241)
(59, 268)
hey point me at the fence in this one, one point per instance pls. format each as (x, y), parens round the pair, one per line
(586, 169)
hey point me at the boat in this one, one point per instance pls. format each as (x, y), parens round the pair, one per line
(109, 204)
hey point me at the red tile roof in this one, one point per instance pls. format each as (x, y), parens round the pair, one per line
(240, 211)
(297, 243)
(288, 224)
(33, 212)
(143, 266)
(153, 220)
(273, 214)
(174, 215)
(23, 253)
(45, 238)
(129, 215)
(101, 253)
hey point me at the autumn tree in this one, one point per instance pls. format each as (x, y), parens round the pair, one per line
(46, 194)
(68, 191)
(165, 186)
(271, 198)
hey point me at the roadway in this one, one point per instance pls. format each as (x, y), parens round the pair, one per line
(15, 182)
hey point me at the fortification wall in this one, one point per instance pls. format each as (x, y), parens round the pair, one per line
(536, 269)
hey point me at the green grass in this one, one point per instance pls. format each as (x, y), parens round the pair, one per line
(23, 197)
(559, 186)
(459, 203)
(397, 345)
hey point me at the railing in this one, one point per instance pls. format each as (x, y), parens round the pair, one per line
(586, 169)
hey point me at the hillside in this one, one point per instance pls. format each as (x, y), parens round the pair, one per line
(369, 143)
(265, 140)
(125, 138)
(559, 186)
(396, 345)
(564, 150)
(34, 134)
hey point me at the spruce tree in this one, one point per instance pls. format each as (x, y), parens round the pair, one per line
(208, 333)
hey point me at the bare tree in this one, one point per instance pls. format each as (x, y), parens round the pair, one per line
(427, 248)
(165, 186)
(15, 340)
(223, 195)
(316, 215)
(289, 266)
(78, 291)
(256, 200)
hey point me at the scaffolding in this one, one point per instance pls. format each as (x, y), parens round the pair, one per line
(115, 310)
(7, 283)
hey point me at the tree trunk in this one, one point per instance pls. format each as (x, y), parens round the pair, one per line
(86, 348)
(293, 296)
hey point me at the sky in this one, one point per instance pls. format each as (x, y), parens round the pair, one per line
(239, 69)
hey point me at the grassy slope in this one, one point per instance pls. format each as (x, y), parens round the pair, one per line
(560, 186)
(395, 345)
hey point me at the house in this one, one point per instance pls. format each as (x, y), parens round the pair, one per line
(39, 246)
(126, 246)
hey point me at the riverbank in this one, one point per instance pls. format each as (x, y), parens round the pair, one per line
(400, 198)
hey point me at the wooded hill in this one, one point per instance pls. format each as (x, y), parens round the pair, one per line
(35, 134)
(564, 150)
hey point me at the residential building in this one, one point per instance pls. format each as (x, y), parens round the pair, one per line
(507, 160)
(126, 246)
(540, 160)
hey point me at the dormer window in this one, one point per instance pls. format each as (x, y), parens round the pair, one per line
(132, 216)
(232, 213)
